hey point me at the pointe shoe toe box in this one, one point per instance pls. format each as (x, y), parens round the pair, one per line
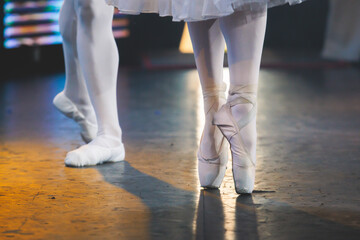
(244, 178)
(208, 173)
(212, 172)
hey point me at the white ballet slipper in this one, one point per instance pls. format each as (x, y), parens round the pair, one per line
(69, 109)
(243, 164)
(91, 154)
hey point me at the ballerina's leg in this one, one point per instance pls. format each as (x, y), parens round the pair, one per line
(244, 35)
(209, 46)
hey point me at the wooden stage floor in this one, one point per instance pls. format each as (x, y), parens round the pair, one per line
(308, 184)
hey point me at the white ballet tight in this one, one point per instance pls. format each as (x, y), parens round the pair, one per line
(91, 60)
(244, 34)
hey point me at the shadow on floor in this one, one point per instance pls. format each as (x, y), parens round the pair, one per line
(176, 215)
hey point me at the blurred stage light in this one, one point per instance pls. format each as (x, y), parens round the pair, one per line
(185, 44)
(35, 23)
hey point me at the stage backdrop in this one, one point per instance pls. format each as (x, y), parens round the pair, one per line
(29, 33)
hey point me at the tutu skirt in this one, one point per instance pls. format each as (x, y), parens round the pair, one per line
(194, 10)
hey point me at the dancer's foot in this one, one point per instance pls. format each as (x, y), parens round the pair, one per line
(101, 150)
(213, 148)
(236, 123)
(68, 108)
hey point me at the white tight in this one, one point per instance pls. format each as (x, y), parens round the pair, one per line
(244, 34)
(91, 60)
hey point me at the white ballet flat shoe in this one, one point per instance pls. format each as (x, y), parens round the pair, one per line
(69, 109)
(212, 171)
(242, 162)
(90, 155)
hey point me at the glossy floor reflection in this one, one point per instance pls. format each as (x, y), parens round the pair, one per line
(307, 183)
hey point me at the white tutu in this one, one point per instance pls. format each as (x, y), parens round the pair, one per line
(194, 10)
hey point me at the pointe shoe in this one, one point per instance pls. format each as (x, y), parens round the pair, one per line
(90, 155)
(69, 109)
(243, 164)
(212, 171)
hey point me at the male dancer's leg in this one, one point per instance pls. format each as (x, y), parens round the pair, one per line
(74, 101)
(98, 57)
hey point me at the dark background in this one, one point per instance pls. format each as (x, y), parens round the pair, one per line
(300, 26)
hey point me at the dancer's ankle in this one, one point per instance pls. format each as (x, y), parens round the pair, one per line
(212, 137)
(108, 140)
(248, 133)
(240, 110)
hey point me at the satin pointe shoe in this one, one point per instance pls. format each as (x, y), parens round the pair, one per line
(242, 162)
(212, 167)
(92, 154)
(69, 109)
